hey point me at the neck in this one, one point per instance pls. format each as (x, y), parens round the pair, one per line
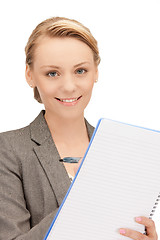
(68, 129)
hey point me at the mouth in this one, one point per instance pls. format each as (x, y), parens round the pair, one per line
(68, 100)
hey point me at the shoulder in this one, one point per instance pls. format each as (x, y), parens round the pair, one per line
(15, 136)
(21, 136)
(14, 146)
(21, 142)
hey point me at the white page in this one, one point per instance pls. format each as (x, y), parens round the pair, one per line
(119, 179)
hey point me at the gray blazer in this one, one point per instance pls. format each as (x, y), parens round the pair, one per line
(33, 182)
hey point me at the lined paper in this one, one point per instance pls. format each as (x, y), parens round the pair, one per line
(118, 180)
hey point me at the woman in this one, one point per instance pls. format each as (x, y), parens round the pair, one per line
(61, 66)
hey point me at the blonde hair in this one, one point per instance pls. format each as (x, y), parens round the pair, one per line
(59, 27)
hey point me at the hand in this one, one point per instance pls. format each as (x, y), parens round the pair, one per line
(150, 229)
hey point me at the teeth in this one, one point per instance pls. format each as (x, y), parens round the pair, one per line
(68, 100)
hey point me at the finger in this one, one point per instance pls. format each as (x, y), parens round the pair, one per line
(133, 234)
(149, 224)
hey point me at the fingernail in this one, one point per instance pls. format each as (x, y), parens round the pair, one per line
(138, 219)
(122, 231)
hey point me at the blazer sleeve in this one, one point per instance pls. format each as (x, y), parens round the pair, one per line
(14, 215)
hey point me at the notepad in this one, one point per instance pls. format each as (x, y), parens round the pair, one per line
(119, 179)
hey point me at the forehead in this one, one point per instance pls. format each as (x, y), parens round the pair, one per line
(61, 50)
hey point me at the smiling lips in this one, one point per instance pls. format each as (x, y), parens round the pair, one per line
(68, 101)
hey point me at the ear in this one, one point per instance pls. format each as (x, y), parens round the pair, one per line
(96, 74)
(28, 75)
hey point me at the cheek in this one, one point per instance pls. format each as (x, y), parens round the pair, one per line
(44, 86)
(46, 91)
(88, 86)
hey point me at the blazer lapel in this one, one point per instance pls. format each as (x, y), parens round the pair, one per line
(55, 171)
(48, 156)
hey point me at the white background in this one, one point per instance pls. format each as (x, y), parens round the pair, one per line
(128, 34)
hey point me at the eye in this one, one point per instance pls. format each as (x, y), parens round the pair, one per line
(52, 74)
(81, 71)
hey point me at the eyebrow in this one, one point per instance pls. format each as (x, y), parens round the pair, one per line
(54, 66)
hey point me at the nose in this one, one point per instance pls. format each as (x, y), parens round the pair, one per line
(69, 83)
